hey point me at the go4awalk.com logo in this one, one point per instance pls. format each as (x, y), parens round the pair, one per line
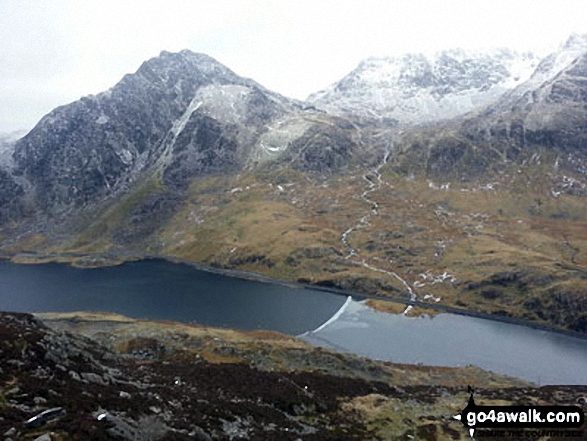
(543, 418)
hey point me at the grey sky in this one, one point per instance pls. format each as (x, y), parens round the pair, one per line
(55, 51)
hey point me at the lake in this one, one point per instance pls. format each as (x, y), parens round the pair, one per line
(157, 289)
(455, 340)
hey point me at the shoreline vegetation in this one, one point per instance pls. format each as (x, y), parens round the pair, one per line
(379, 303)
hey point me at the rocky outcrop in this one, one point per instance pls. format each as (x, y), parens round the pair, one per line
(323, 148)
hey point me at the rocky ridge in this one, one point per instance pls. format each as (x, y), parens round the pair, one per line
(418, 88)
(542, 118)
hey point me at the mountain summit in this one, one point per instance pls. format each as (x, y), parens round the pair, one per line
(417, 88)
(179, 113)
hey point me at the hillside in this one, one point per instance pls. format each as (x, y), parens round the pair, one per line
(110, 377)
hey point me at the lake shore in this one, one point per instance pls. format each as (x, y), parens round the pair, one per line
(85, 260)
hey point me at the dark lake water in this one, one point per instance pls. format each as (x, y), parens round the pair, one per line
(157, 289)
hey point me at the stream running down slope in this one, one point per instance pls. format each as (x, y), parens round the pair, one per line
(374, 182)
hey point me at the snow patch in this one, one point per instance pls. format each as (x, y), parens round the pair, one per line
(125, 156)
(176, 129)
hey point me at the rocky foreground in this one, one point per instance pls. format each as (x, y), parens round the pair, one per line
(99, 376)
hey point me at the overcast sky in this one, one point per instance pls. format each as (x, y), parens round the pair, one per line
(54, 51)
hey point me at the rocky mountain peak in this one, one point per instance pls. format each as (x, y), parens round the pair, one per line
(179, 113)
(416, 88)
(170, 67)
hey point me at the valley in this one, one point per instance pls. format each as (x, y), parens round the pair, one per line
(295, 221)
(471, 247)
(479, 207)
(479, 247)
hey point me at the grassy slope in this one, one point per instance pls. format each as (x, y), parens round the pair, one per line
(515, 249)
(511, 248)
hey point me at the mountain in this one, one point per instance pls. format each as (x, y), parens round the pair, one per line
(417, 88)
(180, 113)
(456, 179)
(183, 115)
(545, 115)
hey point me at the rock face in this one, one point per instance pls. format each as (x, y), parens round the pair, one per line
(11, 191)
(415, 88)
(183, 115)
(179, 113)
(545, 115)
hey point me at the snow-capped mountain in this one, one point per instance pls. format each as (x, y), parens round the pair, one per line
(179, 116)
(418, 88)
(544, 116)
(547, 70)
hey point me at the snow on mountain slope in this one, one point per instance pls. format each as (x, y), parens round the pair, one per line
(7, 141)
(547, 70)
(546, 116)
(416, 88)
